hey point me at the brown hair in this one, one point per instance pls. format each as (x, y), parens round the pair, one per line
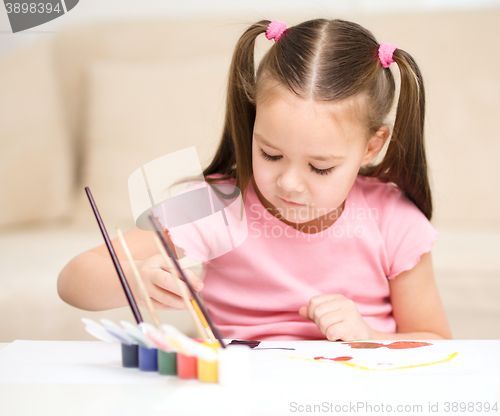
(328, 60)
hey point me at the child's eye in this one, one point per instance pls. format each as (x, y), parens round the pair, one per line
(269, 157)
(313, 169)
(321, 171)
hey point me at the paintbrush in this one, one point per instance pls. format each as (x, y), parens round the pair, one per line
(167, 248)
(203, 320)
(114, 258)
(181, 288)
(138, 278)
(192, 306)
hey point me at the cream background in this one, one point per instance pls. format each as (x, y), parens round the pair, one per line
(95, 101)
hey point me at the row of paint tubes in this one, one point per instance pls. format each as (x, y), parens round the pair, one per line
(219, 364)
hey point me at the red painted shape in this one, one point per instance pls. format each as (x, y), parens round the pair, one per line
(342, 359)
(398, 345)
(359, 345)
(403, 345)
(334, 359)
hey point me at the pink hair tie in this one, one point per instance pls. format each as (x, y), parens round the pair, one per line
(275, 30)
(385, 52)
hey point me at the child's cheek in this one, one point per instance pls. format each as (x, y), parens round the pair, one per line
(263, 176)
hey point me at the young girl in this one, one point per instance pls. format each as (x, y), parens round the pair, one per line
(338, 247)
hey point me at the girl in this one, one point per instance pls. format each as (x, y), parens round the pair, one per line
(338, 247)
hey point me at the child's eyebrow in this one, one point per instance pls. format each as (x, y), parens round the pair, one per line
(322, 158)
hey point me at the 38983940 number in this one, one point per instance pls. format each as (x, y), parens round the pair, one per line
(34, 8)
(475, 407)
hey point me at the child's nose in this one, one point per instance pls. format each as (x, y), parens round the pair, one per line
(291, 181)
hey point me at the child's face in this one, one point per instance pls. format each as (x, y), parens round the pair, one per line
(307, 153)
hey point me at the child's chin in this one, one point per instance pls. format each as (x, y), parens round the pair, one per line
(295, 217)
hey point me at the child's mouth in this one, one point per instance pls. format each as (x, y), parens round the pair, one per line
(292, 204)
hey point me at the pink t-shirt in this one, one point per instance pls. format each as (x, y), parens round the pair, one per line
(255, 290)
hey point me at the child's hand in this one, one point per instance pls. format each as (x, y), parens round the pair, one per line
(162, 286)
(337, 318)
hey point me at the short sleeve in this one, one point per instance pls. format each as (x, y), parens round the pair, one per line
(202, 220)
(409, 234)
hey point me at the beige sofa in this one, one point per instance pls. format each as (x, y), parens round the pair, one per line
(93, 103)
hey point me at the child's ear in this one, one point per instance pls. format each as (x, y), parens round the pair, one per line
(375, 144)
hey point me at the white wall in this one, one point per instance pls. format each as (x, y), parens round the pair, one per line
(112, 9)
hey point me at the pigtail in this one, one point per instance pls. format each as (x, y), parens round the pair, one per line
(233, 158)
(405, 162)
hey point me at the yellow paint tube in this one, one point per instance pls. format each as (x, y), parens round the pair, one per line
(208, 370)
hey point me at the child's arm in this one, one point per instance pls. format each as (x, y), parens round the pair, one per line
(417, 309)
(89, 281)
(416, 304)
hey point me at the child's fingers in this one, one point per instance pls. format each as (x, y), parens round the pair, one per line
(337, 331)
(161, 306)
(171, 283)
(303, 312)
(337, 317)
(327, 321)
(168, 283)
(166, 298)
(328, 324)
(195, 282)
(162, 286)
(321, 304)
(193, 279)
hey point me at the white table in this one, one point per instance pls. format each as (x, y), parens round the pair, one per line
(85, 378)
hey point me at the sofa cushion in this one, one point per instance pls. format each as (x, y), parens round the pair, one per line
(36, 164)
(138, 112)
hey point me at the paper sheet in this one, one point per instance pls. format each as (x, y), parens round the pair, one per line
(290, 382)
(437, 358)
(100, 362)
(279, 382)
